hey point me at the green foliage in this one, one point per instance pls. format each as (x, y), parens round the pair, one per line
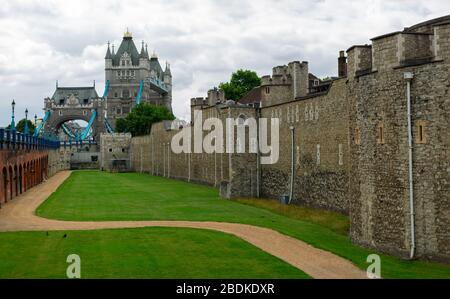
(240, 84)
(20, 126)
(140, 120)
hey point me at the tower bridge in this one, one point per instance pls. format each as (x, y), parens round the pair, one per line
(76, 103)
(131, 78)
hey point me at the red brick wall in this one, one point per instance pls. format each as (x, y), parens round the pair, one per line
(20, 171)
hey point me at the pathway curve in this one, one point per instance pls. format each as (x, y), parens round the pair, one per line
(19, 215)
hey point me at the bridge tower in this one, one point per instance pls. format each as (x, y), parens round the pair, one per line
(132, 77)
(75, 103)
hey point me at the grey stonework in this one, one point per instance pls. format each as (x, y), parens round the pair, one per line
(115, 152)
(379, 197)
(125, 70)
(75, 103)
(58, 160)
(341, 162)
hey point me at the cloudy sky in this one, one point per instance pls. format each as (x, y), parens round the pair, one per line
(204, 40)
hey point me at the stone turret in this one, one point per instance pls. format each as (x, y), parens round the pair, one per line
(216, 96)
(133, 76)
(143, 58)
(108, 58)
(300, 78)
(168, 83)
(167, 75)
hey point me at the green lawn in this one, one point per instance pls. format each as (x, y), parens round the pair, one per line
(138, 253)
(132, 196)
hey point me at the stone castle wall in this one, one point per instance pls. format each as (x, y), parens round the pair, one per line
(350, 145)
(237, 172)
(115, 152)
(379, 184)
(58, 159)
(320, 150)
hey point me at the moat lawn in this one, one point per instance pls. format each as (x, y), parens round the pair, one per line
(97, 196)
(138, 253)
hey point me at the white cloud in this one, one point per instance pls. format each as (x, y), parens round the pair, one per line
(48, 40)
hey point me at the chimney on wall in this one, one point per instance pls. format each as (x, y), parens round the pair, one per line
(342, 64)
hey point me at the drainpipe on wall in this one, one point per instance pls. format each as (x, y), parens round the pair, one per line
(258, 155)
(168, 160)
(291, 190)
(142, 161)
(189, 167)
(164, 160)
(408, 77)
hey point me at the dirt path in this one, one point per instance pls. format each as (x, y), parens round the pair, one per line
(19, 215)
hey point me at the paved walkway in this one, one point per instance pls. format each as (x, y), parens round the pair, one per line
(19, 215)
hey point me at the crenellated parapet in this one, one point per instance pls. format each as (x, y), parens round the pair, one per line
(216, 96)
(199, 101)
(359, 60)
(420, 44)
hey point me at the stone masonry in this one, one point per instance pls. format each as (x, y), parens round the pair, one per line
(350, 141)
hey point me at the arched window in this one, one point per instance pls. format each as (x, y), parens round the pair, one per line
(241, 120)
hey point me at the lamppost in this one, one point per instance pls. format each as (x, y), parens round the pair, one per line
(35, 121)
(25, 130)
(13, 123)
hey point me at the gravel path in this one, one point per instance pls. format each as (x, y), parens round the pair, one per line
(19, 215)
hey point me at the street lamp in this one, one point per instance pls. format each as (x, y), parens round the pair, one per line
(25, 130)
(13, 123)
(35, 121)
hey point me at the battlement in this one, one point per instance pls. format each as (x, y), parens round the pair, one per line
(199, 101)
(359, 60)
(295, 73)
(420, 44)
(215, 96)
(115, 135)
(280, 70)
(277, 79)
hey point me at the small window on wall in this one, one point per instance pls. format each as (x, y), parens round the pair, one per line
(267, 90)
(380, 134)
(318, 154)
(357, 137)
(420, 132)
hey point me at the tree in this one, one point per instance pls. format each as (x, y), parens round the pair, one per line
(20, 127)
(240, 84)
(140, 120)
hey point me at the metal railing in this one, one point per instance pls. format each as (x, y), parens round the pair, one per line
(77, 143)
(10, 139)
